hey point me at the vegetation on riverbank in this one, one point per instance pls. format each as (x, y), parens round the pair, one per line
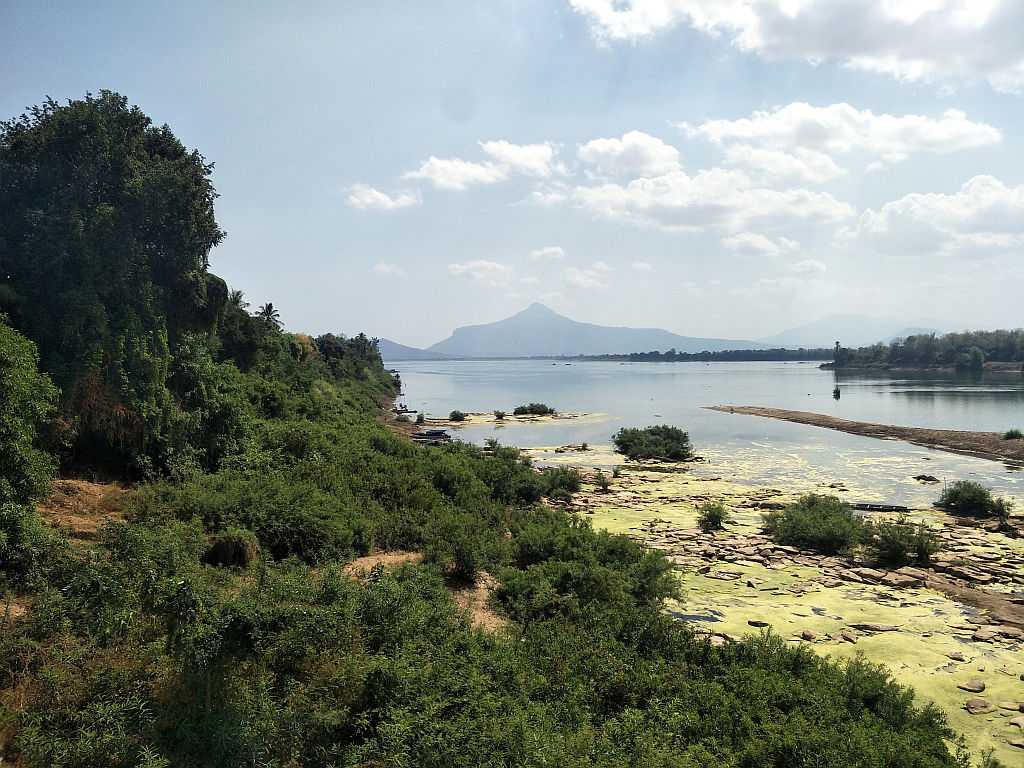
(966, 351)
(211, 620)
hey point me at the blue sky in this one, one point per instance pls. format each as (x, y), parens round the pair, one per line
(713, 167)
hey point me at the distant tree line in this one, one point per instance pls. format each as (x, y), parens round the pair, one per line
(724, 356)
(967, 350)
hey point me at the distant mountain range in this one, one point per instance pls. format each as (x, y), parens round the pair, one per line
(849, 330)
(538, 331)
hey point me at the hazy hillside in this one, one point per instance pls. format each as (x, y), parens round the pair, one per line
(538, 331)
(851, 330)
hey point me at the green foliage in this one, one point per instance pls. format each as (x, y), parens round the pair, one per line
(26, 401)
(533, 409)
(965, 497)
(106, 222)
(893, 543)
(821, 523)
(966, 351)
(602, 482)
(420, 418)
(712, 516)
(560, 483)
(499, 415)
(1013, 434)
(456, 416)
(658, 442)
(23, 541)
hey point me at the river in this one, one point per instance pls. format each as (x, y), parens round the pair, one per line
(748, 449)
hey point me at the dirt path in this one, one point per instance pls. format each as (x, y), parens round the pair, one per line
(987, 445)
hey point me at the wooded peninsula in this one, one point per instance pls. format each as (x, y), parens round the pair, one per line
(243, 566)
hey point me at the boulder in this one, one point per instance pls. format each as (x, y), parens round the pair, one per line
(972, 686)
(979, 706)
(808, 634)
(758, 623)
(900, 581)
(956, 656)
(848, 636)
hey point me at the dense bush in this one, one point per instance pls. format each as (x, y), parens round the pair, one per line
(1013, 434)
(560, 483)
(893, 543)
(658, 442)
(965, 497)
(456, 416)
(825, 524)
(535, 409)
(711, 516)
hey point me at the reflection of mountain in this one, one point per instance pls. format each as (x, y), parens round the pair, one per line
(850, 330)
(539, 332)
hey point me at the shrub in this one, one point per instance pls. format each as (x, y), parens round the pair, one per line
(499, 415)
(602, 481)
(893, 543)
(965, 497)
(825, 524)
(232, 547)
(658, 442)
(456, 416)
(560, 483)
(535, 409)
(1013, 434)
(420, 418)
(711, 516)
(402, 418)
(23, 539)
(616, 472)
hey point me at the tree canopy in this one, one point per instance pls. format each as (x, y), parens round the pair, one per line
(106, 225)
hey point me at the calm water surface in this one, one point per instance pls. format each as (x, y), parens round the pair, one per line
(748, 449)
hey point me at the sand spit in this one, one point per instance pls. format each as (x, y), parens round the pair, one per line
(988, 445)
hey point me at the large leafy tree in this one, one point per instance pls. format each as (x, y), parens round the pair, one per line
(26, 401)
(106, 224)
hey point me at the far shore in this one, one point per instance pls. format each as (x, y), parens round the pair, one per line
(996, 366)
(987, 445)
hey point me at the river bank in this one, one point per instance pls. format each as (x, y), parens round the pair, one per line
(988, 445)
(956, 622)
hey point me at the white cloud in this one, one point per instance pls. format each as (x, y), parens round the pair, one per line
(925, 40)
(482, 272)
(531, 280)
(548, 252)
(600, 266)
(456, 174)
(364, 196)
(553, 297)
(807, 267)
(715, 198)
(527, 159)
(806, 166)
(840, 128)
(641, 266)
(635, 154)
(754, 244)
(584, 278)
(388, 270)
(983, 217)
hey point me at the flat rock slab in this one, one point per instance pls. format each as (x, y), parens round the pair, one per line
(956, 656)
(758, 623)
(874, 626)
(972, 686)
(979, 706)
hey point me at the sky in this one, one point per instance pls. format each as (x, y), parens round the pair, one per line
(718, 168)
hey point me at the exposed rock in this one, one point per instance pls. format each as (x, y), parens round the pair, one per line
(972, 686)
(956, 656)
(985, 634)
(809, 634)
(874, 626)
(979, 706)
(758, 623)
(900, 581)
(848, 636)
(926, 479)
(1018, 721)
(1013, 706)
